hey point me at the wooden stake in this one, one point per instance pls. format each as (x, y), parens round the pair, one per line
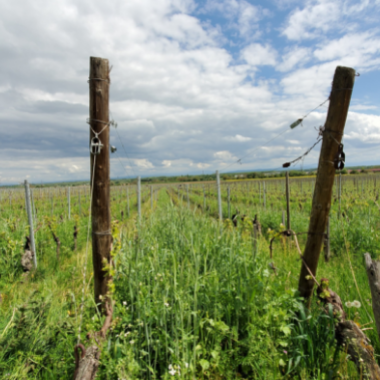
(336, 118)
(30, 221)
(100, 175)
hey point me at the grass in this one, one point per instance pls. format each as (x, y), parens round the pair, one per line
(193, 300)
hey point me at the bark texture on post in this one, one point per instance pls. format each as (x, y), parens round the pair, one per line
(100, 208)
(88, 364)
(373, 273)
(340, 97)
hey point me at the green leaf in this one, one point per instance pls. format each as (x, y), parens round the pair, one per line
(286, 330)
(204, 364)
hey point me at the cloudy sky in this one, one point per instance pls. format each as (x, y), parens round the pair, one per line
(196, 84)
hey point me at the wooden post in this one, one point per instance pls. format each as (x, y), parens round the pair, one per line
(336, 118)
(100, 175)
(30, 221)
(287, 202)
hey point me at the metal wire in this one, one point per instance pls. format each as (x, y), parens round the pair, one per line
(86, 254)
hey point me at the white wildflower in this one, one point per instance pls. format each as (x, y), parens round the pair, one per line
(125, 303)
(186, 365)
(132, 342)
(356, 304)
(348, 304)
(172, 371)
(166, 304)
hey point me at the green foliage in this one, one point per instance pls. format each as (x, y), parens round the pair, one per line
(313, 352)
(33, 347)
(196, 299)
(193, 298)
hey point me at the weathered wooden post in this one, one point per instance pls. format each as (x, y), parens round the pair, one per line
(100, 174)
(329, 158)
(30, 221)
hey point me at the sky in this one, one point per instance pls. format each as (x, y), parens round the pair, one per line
(197, 85)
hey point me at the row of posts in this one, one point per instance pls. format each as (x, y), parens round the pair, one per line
(31, 208)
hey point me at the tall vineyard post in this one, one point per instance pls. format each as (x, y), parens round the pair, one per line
(340, 97)
(100, 175)
(30, 221)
